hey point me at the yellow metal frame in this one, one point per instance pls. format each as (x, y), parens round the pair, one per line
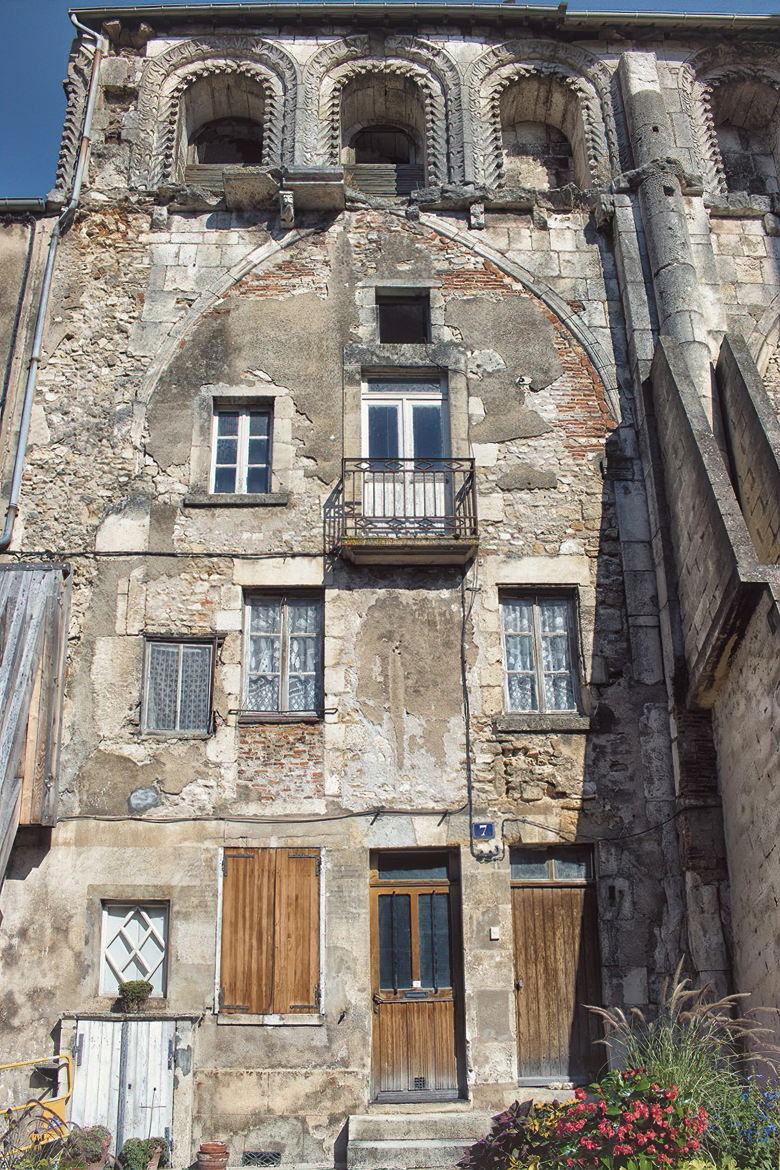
(50, 1112)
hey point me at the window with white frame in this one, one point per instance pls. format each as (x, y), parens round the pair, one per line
(177, 692)
(284, 654)
(135, 945)
(539, 653)
(241, 447)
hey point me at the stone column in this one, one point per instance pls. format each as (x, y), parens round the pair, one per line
(657, 182)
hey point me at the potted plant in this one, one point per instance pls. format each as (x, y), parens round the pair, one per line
(133, 994)
(144, 1154)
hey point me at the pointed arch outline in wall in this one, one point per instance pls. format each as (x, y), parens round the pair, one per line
(266, 252)
(765, 336)
(700, 77)
(76, 86)
(169, 76)
(426, 64)
(586, 78)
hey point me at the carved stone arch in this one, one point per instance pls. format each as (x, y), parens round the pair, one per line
(76, 87)
(423, 62)
(168, 76)
(700, 78)
(587, 78)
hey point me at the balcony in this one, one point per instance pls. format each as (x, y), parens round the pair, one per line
(403, 512)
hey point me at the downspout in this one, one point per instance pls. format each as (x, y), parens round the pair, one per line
(63, 222)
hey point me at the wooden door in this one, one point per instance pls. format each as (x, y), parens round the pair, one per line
(415, 978)
(124, 1077)
(557, 973)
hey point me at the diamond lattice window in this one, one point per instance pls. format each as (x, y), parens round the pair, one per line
(135, 940)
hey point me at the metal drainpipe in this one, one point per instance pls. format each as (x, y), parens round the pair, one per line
(62, 223)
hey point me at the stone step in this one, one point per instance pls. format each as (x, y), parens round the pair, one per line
(421, 1154)
(380, 1127)
(412, 1141)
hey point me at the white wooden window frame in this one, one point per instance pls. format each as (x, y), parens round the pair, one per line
(282, 710)
(534, 599)
(242, 455)
(430, 390)
(109, 980)
(180, 643)
(296, 1019)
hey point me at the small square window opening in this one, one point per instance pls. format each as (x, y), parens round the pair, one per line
(241, 449)
(539, 654)
(404, 318)
(178, 687)
(284, 655)
(135, 945)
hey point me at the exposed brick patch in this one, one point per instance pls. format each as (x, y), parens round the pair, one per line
(282, 761)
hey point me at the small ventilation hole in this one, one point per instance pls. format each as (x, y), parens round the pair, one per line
(261, 1158)
(419, 1083)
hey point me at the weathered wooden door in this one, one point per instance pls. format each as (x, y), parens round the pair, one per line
(124, 1077)
(557, 970)
(416, 977)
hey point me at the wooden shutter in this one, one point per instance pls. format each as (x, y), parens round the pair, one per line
(270, 955)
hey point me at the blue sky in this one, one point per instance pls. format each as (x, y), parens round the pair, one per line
(33, 58)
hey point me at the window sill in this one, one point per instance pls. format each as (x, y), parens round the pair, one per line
(249, 717)
(565, 721)
(238, 500)
(150, 733)
(285, 1020)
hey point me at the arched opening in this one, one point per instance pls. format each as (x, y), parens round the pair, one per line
(542, 138)
(383, 134)
(745, 114)
(221, 125)
(230, 141)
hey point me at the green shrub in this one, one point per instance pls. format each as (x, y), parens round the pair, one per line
(136, 1153)
(84, 1146)
(134, 992)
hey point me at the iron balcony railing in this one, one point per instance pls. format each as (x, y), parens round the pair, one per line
(418, 500)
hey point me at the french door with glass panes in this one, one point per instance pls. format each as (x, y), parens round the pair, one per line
(417, 996)
(407, 483)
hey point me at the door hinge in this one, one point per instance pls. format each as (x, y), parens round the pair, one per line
(230, 1007)
(308, 1007)
(77, 1048)
(171, 1052)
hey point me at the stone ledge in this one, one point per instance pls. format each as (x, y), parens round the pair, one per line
(238, 500)
(542, 723)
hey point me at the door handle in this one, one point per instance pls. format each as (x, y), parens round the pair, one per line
(519, 984)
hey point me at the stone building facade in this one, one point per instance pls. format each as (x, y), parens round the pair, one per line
(404, 445)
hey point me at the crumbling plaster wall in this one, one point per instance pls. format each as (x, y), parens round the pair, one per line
(157, 313)
(111, 469)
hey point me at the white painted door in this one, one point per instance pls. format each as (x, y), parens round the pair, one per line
(124, 1077)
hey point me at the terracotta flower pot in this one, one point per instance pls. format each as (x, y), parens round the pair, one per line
(212, 1156)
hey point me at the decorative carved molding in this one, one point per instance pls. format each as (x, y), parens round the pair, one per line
(430, 68)
(700, 77)
(587, 78)
(168, 76)
(76, 87)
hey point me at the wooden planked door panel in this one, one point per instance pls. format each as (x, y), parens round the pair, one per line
(557, 972)
(414, 1039)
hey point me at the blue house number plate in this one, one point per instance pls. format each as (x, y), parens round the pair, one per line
(484, 830)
